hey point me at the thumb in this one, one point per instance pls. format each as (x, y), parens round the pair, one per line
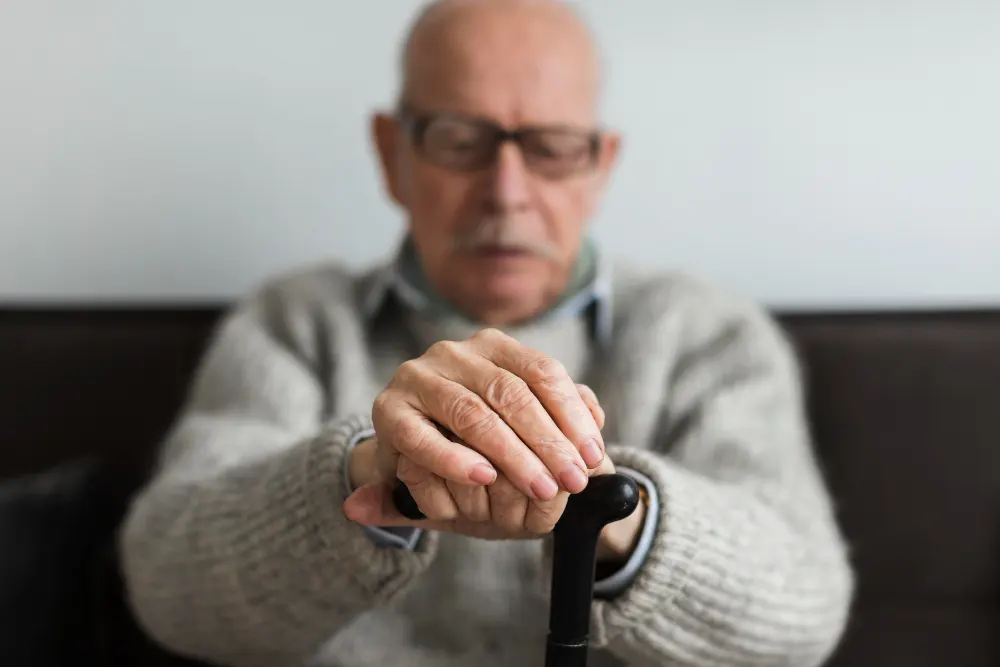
(367, 505)
(371, 505)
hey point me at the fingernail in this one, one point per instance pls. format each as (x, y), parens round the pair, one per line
(544, 487)
(592, 453)
(573, 479)
(482, 474)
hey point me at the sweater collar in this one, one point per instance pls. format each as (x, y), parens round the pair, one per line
(588, 295)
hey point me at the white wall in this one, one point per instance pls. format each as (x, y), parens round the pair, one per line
(809, 153)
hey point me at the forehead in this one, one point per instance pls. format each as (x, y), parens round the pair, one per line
(508, 68)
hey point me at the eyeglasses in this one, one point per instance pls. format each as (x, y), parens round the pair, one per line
(466, 143)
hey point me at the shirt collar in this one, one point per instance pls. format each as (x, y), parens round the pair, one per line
(402, 279)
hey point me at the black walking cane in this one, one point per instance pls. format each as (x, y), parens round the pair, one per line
(607, 498)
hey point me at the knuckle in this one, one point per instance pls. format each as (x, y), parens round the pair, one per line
(431, 496)
(474, 505)
(409, 435)
(441, 512)
(542, 518)
(545, 371)
(470, 417)
(510, 521)
(489, 334)
(444, 348)
(509, 393)
(508, 508)
(411, 474)
(381, 401)
(407, 372)
(382, 408)
(556, 449)
(540, 526)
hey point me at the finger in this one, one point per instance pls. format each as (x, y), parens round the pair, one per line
(553, 386)
(371, 505)
(468, 416)
(404, 430)
(508, 506)
(429, 492)
(541, 517)
(512, 399)
(473, 501)
(606, 468)
(364, 506)
(590, 398)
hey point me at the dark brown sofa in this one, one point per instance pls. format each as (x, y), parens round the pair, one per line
(905, 408)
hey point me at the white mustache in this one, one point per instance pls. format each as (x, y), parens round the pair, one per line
(493, 232)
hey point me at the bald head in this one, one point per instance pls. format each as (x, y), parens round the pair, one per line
(497, 223)
(529, 44)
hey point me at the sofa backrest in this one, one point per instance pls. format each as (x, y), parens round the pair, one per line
(905, 409)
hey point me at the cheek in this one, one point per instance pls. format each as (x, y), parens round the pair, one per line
(437, 202)
(567, 208)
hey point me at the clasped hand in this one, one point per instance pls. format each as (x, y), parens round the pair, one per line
(490, 437)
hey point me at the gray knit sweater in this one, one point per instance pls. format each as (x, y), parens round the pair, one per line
(238, 552)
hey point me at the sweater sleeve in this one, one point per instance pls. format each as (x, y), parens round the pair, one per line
(237, 551)
(747, 565)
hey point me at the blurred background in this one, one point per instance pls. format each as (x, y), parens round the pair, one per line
(838, 161)
(810, 153)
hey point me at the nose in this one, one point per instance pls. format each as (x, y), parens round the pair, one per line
(510, 187)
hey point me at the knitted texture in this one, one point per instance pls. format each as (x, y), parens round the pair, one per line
(237, 551)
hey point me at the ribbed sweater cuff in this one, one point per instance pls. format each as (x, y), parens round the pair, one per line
(380, 572)
(726, 581)
(396, 537)
(613, 585)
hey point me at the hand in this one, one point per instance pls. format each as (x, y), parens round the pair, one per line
(512, 410)
(496, 511)
(371, 504)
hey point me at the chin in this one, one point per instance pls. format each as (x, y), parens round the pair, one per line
(510, 280)
(520, 294)
(510, 284)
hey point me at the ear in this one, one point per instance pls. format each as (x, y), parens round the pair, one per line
(387, 137)
(607, 160)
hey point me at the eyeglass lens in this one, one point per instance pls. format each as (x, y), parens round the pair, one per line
(463, 143)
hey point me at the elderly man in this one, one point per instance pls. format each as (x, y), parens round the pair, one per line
(494, 366)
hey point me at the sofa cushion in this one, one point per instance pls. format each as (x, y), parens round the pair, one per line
(905, 408)
(921, 635)
(906, 411)
(50, 526)
(103, 382)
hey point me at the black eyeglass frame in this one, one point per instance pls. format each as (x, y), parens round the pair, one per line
(415, 124)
